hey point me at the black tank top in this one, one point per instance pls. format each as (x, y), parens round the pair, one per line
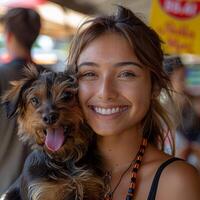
(154, 185)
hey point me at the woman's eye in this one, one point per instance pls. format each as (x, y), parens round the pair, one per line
(87, 75)
(127, 74)
(67, 96)
(35, 101)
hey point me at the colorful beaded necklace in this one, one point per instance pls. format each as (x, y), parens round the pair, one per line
(137, 163)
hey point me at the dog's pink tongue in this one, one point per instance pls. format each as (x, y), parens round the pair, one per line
(54, 138)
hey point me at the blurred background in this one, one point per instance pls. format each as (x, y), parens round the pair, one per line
(176, 21)
(60, 19)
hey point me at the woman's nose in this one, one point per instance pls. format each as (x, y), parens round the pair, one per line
(107, 89)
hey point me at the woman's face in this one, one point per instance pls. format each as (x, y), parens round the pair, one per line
(114, 87)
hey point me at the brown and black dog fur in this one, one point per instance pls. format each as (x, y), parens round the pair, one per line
(49, 118)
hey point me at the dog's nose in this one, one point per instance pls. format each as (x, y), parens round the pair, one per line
(50, 118)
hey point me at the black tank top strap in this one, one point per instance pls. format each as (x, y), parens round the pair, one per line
(154, 185)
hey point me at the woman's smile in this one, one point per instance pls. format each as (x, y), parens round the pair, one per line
(109, 111)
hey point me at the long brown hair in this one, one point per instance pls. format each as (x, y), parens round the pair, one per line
(147, 46)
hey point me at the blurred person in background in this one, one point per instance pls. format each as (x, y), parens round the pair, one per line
(187, 114)
(189, 129)
(21, 28)
(176, 72)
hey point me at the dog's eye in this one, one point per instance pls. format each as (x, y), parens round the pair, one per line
(67, 96)
(35, 101)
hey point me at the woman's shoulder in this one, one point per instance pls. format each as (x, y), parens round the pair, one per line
(170, 180)
(177, 180)
(180, 172)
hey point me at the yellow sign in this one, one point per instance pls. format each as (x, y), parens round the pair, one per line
(178, 24)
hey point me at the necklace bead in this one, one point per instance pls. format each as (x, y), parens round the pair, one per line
(137, 163)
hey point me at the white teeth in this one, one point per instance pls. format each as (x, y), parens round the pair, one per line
(109, 111)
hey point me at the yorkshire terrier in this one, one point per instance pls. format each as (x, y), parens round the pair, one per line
(49, 118)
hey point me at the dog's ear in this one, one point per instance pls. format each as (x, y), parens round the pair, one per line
(12, 99)
(31, 71)
(11, 107)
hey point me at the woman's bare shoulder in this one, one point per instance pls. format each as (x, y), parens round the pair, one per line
(179, 180)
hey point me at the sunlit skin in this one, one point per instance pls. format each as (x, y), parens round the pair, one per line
(113, 78)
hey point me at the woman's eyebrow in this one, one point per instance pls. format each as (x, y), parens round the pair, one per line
(92, 64)
(121, 64)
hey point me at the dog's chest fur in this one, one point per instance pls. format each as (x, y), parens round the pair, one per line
(43, 179)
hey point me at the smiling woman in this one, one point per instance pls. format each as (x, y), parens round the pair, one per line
(119, 63)
(110, 81)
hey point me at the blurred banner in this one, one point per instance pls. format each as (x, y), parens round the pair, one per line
(178, 24)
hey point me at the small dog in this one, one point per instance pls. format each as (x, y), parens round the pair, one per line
(50, 119)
